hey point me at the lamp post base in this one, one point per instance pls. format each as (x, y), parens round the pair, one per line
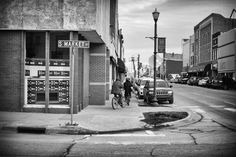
(154, 102)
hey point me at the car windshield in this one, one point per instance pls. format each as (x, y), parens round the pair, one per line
(143, 82)
(159, 84)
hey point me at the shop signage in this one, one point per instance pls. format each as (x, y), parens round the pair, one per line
(73, 43)
(54, 73)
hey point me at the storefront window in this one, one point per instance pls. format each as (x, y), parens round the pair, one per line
(55, 52)
(35, 68)
(35, 45)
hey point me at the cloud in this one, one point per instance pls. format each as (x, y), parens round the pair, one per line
(127, 7)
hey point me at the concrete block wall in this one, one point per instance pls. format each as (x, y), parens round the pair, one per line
(97, 74)
(44, 14)
(107, 74)
(12, 70)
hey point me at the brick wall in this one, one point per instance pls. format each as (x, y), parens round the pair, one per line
(97, 74)
(11, 58)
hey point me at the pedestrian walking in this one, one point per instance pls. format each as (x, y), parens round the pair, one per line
(128, 89)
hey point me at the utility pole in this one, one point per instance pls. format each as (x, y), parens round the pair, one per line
(138, 65)
(132, 59)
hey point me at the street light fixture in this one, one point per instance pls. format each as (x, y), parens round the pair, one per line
(155, 15)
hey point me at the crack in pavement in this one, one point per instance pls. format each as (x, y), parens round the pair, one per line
(67, 152)
(68, 149)
(194, 139)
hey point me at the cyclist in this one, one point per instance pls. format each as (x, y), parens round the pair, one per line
(116, 89)
(128, 89)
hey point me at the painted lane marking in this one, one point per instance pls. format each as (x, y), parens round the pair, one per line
(133, 142)
(230, 109)
(217, 106)
(199, 110)
(188, 106)
(133, 135)
(149, 132)
(227, 102)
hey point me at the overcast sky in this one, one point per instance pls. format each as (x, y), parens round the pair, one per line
(176, 21)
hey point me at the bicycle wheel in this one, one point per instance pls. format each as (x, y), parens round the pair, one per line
(124, 103)
(115, 104)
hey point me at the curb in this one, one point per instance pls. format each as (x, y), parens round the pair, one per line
(193, 117)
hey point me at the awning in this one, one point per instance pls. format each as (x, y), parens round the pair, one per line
(200, 68)
(197, 68)
(121, 66)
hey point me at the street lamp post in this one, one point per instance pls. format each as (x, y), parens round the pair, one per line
(155, 15)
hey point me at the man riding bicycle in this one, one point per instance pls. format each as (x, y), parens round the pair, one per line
(116, 89)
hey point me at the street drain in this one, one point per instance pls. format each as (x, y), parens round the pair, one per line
(34, 130)
(156, 118)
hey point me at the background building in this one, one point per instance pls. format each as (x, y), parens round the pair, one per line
(174, 64)
(192, 59)
(186, 54)
(36, 75)
(203, 33)
(226, 54)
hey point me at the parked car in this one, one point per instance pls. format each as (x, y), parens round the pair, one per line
(217, 83)
(222, 83)
(163, 91)
(184, 80)
(178, 79)
(173, 78)
(205, 81)
(141, 84)
(193, 80)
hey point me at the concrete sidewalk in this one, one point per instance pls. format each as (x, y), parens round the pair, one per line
(91, 120)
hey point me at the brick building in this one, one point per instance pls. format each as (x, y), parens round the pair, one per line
(36, 74)
(205, 52)
(186, 54)
(173, 64)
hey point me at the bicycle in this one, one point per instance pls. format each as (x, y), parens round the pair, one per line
(116, 103)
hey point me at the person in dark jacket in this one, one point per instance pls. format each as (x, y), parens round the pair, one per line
(128, 88)
(116, 89)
